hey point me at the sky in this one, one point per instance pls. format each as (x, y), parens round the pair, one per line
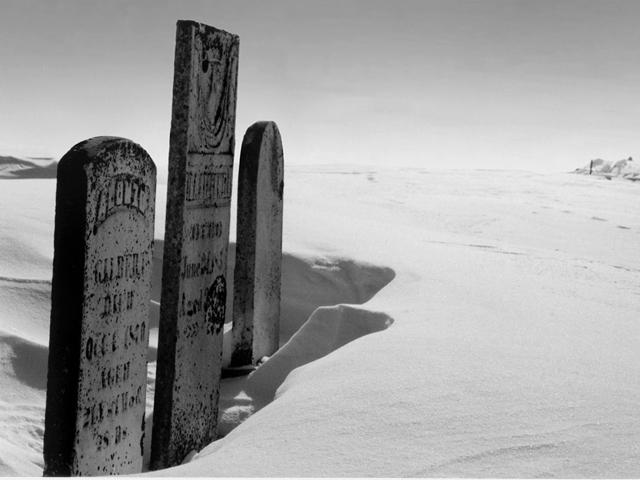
(531, 85)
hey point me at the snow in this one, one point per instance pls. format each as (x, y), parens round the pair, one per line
(27, 167)
(451, 323)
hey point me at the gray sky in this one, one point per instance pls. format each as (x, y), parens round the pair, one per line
(535, 85)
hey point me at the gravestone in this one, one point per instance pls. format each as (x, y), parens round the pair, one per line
(96, 381)
(257, 274)
(194, 285)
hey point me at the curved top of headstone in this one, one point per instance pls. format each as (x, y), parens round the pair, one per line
(262, 127)
(102, 149)
(259, 138)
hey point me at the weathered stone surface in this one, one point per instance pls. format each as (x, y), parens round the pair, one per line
(96, 382)
(257, 275)
(194, 286)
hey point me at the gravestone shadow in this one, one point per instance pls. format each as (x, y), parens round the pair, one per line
(28, 360)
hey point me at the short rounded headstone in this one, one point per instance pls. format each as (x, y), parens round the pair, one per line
(103, 242)
(257, 274)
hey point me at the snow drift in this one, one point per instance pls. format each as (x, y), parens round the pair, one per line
(29, 167)
(457, 323)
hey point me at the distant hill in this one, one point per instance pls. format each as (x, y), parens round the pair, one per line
(27, 167)
(626, 168)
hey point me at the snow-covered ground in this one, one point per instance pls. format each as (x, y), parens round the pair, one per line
(470, 323)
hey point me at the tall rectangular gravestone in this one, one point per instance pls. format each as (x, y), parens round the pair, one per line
(194, 286)
(96, 381)
(257, 274)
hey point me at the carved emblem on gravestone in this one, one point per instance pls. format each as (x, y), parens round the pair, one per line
(213, 102)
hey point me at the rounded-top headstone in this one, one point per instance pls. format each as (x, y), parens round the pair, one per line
(96, 382)
(257, 275)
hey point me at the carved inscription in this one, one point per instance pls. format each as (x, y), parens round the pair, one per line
(117, 404)
(121, 191)
(204, 231)
(205, 247)
(112, 376)
(107, 343)
(207, 263)
(114, 349)
(114, 397)
(115, 267)
(202, 297)
(209, 188)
